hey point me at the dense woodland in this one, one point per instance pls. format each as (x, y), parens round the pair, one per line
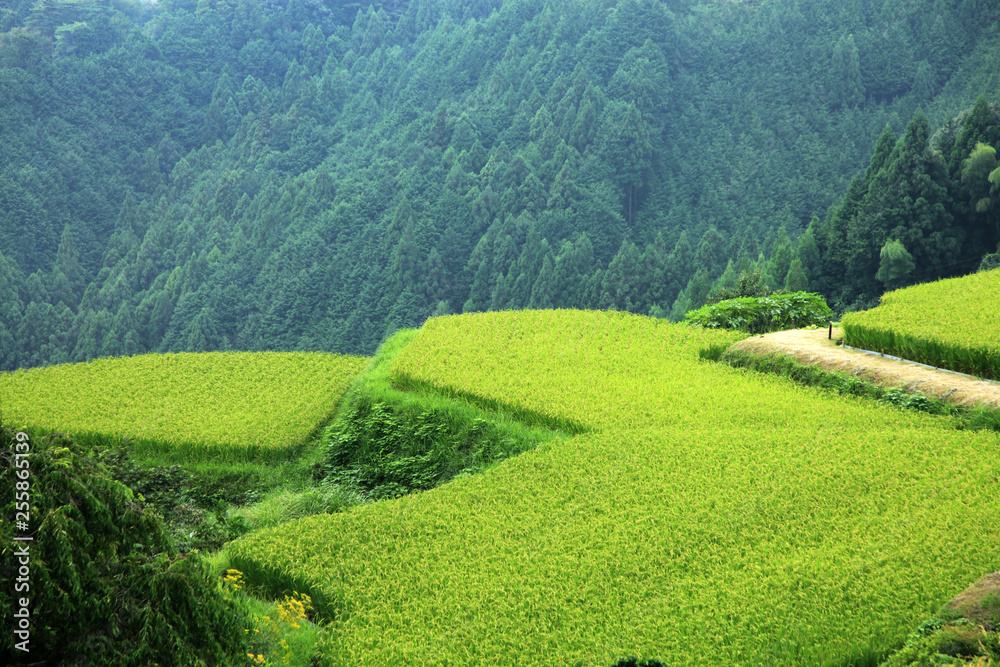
(313, 174)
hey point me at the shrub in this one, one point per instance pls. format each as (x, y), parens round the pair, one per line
(758, 315)
(388, 451)
(106, 586)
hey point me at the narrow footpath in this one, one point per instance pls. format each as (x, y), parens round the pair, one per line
(813, 346)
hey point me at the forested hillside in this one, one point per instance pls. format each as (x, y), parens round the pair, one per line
(312, 174)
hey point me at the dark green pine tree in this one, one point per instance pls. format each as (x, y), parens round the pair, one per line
(436, 286)
(795, 279)
(408, 312)
(405, 266)
(543, 291)
(925, 82)
(840, 219)
(93, 328)
(908, 200)
(122, 339)
(780, 261)
(527, 267)
(627, 148)
(693, 296)
(848, 88)
(621, 280)
(68, 279)
(808, 254)
(479, 295)
(124, 239)
(652, 277)
(679, 268)
(711, 253)
(574, 264)
(11, 306)
(202, 334)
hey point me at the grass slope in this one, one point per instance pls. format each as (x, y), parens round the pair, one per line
(709, 516)
(386, 442)
(943, 323)
(234, 406)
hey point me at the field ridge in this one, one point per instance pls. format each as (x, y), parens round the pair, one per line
(812, 346)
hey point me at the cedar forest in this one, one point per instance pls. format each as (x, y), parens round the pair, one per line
(316, 174)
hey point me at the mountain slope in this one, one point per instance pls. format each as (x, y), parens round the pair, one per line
(261, 175)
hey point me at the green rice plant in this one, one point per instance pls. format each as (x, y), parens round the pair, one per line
(708, 514)
(237, 406)
(951, 324)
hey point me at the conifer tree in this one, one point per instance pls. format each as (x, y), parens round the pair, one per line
(796, 279)
(849, 89)
(895, 264)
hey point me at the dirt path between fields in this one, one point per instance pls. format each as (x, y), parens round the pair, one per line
(814, 347)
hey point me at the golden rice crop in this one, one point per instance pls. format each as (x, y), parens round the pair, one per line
(952, 323)
(709, 516)
(251, 401)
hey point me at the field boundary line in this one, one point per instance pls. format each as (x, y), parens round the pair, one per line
(917, 363)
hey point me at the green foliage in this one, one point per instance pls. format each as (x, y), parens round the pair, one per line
(990, 262)
(699, 496)
(205, 176)
(904, 399)
(944, 324)
(748, 284)
(385, 443)
(921, 211)
(106, 585)
(279, 632)
(191, 503)
(948, 642)
(776, 312)
(283, 506)
(895, 264)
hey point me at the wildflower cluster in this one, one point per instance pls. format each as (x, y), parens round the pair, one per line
(269, 646)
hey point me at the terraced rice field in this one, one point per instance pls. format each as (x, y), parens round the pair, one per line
(951, 324)
(707, 516)
(230, 404)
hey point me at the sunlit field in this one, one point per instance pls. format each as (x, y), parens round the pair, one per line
(241, 405)
(950, 323)
(708, 516)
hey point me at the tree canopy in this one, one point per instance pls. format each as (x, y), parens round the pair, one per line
(279, 174)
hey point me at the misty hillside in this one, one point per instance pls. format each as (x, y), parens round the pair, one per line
(263, 174)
